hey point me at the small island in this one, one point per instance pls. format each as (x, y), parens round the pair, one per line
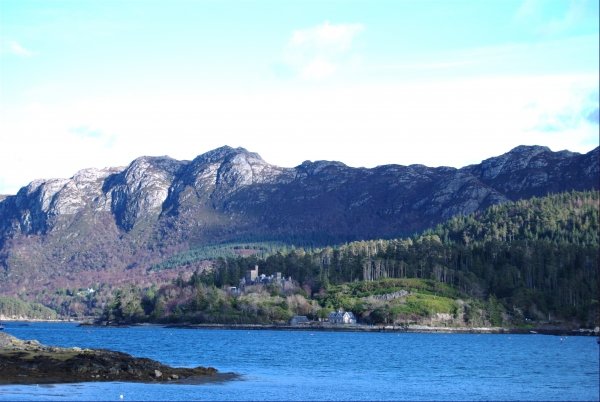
(29, 362)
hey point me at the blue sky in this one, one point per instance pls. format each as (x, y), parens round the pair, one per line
(99, 83)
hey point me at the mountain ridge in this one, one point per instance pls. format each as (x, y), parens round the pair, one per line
(113, 218)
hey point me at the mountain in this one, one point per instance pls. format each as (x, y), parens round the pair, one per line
(109, 225)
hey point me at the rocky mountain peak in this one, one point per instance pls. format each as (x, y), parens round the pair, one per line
(165, 163)
(230, 194)
(91, 175)
(516, 159)
(529, 171)
(528, 149)
(245, 168)
(220, 154)
(219, 173)
(202, 171)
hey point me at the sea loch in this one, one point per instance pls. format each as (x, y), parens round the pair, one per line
(302, 365)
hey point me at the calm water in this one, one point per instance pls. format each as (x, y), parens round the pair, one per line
(288, 365)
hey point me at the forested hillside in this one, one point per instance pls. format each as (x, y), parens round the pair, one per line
(526, 261)
(12, 308)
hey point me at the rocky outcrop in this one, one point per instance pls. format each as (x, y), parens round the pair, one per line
(43, 204)
(138, 192)
(528, 171)
(118, 218)
(29, 362)
(212, 178)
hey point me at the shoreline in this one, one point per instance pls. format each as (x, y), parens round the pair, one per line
(25, 320)
(325, 327)
(395, 329)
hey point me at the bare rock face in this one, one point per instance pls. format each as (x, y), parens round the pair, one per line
(139, 191)
(216, 175)
(114, 218)
(459, 194)
(36, 207)
(518, 159)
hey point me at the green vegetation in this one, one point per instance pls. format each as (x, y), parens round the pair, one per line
(516, 263)
(213, 252)
(11, 307)
(194, 302)
(407, 301)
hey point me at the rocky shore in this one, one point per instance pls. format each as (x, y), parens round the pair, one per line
(29, 362)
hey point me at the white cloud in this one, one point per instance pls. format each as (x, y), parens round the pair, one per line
(318, 52)
(15, 48)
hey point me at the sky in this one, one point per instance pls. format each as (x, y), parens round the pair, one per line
(88, 83)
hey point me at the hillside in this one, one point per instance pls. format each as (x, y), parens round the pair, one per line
(110, 226)
(14, 309)
(515, 264)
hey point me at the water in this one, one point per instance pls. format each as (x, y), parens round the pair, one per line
(295, 365)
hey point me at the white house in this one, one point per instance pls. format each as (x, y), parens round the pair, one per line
(342, 317)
